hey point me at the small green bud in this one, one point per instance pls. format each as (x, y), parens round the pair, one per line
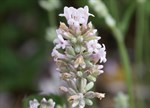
(70, 51)
(88, 102)
(83, 48)
(88, 63)
(89, 86)
(90, 94)
(73, 84)
(62, 65)
(73, 40)
(80, 39)
(71, 91)
(88, 38)
(83, 84)
(82, 103)
(79, 62)
(86, 54)
(77, 48)
(79, 73)
(64, 89)
(91, 78)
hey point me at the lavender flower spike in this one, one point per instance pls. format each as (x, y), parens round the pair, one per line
(79, 56)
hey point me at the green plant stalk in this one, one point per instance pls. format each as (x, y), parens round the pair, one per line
(126, 17)
(140, 28)
(147, 50)
(146, 41)
(125, 62)
(52, 18)
(114, 9)
(139, 39)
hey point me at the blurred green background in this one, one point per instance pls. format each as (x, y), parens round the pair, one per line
(25, 50)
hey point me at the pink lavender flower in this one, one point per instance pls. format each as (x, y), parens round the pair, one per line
(80, 53)
(33, 103)
(47, 104)
(93, 46)
(57, 55)
(75, 17)
(60, 42)
(92, 33)
(100, 55)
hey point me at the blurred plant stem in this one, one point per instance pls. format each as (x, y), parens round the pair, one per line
(50, 6)
(113, 5)
(140, 33)
(147, 38)
(125, 62)
(52, 18)
(141, 43)
(123, 25)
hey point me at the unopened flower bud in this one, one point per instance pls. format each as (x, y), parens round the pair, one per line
(63, 26)
(89, 86)
(91, 78)
(73, 84)
(64, 89)
(73, 98)
(79, 73)
(71, 91)
(73, 40)
(90, 95)
(77, 48)
(79, 62)
(88, 102)
(83, 85)
(80, 39)
(65, 76)
(70, 51)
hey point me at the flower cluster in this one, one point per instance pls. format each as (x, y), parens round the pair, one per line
(78, 56)
(43, 104)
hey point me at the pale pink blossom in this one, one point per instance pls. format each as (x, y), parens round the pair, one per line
(100, 67)
(57, 55)
(92, 33)
(100, 55)
(47, 104)
(93, 46)
(75, 17)
(60, 42)
(33, 103)
(61, 32)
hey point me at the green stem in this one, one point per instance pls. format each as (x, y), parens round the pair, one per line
(140, 28)
(127, 16)
(146, 41)
(52, 19)
(139, 43)
(114, 9)
(125, 62)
